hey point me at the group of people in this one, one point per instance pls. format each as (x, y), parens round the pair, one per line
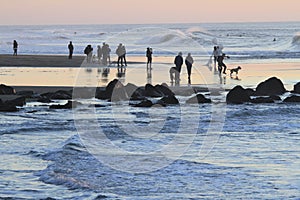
(175, 71)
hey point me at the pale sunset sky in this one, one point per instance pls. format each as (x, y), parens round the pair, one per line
(24, 12)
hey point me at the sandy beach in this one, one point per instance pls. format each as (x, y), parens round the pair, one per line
(58, 72)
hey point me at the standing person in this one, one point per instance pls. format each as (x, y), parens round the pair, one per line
(71, 49)
(119, 54)
(15, 48)
(149, 57)
(99, 53)
(123, 51)
(89, 53)
(189, 63)
(108, 53)
(215, 54)
(104, 53)
(178, 63)
(221, 63)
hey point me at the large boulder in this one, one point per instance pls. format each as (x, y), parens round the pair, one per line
(272, 86)
(150, 91)
(164, 90)
(106, 94)
(169, 100)
(297, 88)
(199, 98)
(237, 95)
(7, 90)
(292, 99)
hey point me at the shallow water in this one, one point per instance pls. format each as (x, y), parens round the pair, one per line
(255, 156)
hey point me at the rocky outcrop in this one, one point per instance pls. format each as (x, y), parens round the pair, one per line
(272, 86)
(296, 88)
(199, 98)
(292, 99)
(6, 90)
(237, 95)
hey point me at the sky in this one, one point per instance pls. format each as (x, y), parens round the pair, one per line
(25, 12)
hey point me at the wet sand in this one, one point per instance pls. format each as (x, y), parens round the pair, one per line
(60, 72)
(40, 61)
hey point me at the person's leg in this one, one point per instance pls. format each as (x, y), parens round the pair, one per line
(119, 58)
(124, 56)
(225, 67)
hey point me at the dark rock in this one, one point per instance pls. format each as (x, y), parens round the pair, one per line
(297, 88)
(26, 93)
(102, 94)
(199, 98)
(8, 108)
(292, 99)
(169, 100)
(250, 92)
(262, 100)
(20, 101)
(150, 91)
(7, 90)
(144, 104)
(138, 94)
(106, 94)
(44, 100)
(119, 94)
(59, 95)
(237, 95)
(130, 88)
(275, 98)
(272, 86)
(69, 105)
(111, 86)
(164, 90)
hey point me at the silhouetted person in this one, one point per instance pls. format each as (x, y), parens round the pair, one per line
(149, 56)
(178, 64)
(15, 48)
(221, 64)
(89, 53)
(99, 53)
(71, 49)
(121, 52)
(189, 63)
(105, 53)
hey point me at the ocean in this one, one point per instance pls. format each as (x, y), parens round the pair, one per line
(242, 41)
(116, 151)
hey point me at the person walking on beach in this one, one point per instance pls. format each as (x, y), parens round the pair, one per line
(189, 63)
(178, 61)
(221, 63)
(89, 53)
(71, 49)
(149, 57)
(15, 48)
(99, 53)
